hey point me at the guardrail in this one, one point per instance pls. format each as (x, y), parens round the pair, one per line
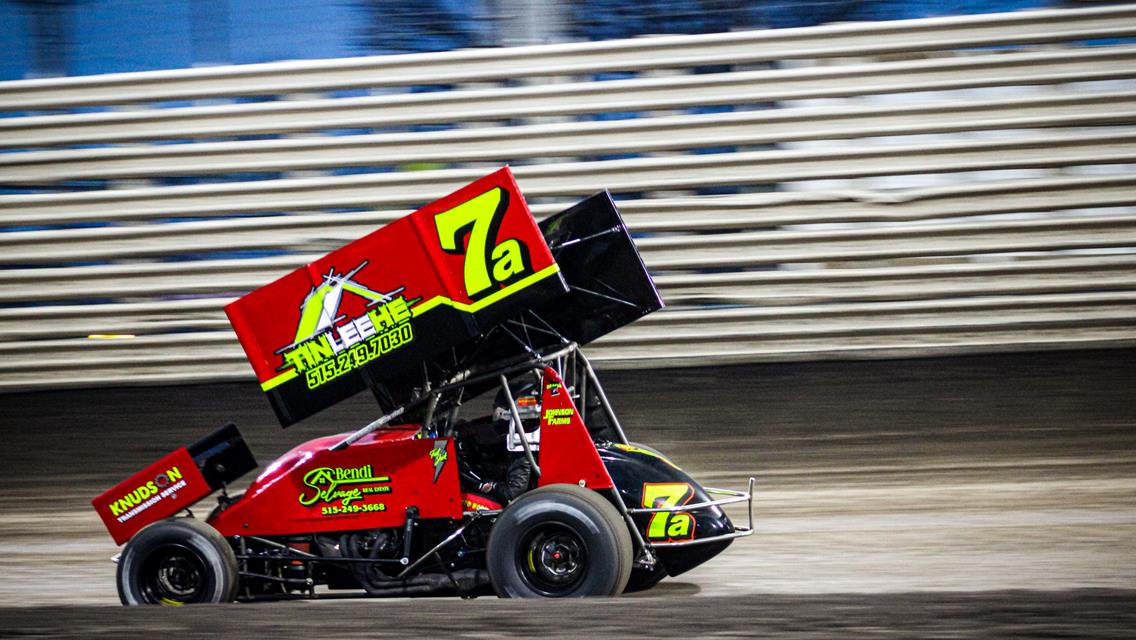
(907, 188)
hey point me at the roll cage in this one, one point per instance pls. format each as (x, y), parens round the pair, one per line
(577, 371)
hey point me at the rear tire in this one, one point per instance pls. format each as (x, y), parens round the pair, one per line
(175, 562)
(559, 541)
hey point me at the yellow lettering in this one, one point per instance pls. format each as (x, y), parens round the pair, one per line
(473, 218)
(293, 358)
(679, 526)
(381, 317)
(508, 260)
(666, 494)
(398, 309)
(319, 349)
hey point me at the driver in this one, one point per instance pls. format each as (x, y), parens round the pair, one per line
(518, 474)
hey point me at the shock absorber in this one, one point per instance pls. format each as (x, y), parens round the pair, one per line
(408, 533)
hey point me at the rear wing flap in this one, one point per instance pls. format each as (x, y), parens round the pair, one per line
(174, 482)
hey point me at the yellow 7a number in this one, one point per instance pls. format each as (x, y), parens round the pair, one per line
(480, 219)
(668, 525)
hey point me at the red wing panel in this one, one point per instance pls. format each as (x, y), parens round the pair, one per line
(567, 453)
(156, 492)
(384, 303)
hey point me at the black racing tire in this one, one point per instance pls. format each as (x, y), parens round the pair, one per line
(177, 561)
(559, 541)
(643, 579)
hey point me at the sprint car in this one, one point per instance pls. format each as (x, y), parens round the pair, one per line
(497, 463)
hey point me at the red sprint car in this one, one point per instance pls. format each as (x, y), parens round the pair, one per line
(497, 464)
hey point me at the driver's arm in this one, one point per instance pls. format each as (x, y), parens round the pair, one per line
(517, 479)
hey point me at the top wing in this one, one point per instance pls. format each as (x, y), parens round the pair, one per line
(374, 311)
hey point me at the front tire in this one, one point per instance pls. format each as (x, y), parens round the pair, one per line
(175, 562)
(559, 541)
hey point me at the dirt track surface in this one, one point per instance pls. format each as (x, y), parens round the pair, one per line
(982, 496)
(998, 614)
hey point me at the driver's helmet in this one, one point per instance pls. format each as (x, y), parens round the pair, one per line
(527, 398)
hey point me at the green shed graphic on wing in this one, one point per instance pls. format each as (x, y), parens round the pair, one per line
(320, 309)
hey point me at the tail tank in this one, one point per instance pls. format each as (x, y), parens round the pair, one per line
(645, 478)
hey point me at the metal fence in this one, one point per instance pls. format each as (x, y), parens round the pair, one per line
(936, 186)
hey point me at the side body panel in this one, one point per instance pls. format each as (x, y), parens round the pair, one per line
(567, 453)
(365, 486)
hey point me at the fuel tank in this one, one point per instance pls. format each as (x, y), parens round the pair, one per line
(645, 478)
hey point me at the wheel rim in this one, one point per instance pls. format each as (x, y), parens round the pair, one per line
(173, 575)
(553, 559)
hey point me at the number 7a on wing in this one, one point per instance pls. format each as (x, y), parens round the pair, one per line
(372, 310)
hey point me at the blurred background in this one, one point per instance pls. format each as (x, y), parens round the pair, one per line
(806, 180)
(79, 37)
